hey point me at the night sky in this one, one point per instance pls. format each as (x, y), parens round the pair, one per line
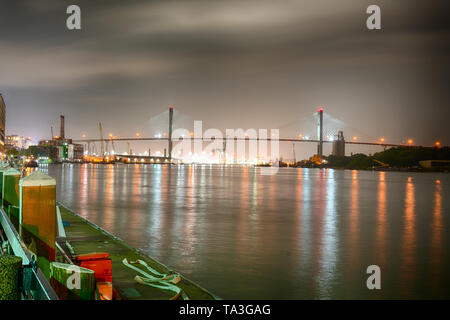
(233, 64)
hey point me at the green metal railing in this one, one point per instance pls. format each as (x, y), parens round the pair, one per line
(32, 281)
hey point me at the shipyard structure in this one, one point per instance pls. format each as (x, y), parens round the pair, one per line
(58, 148)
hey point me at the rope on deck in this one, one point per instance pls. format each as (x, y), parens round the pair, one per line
(161, 281)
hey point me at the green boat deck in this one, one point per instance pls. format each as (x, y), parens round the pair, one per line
(86, 237)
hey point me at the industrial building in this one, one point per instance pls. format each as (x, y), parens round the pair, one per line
(17, 142)
(339, 145)
(435, 164)
(59, 148)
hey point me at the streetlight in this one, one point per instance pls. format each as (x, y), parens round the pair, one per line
(382, 139)
(410, 141)
(138, 134)
(437, 144)
(355, 138)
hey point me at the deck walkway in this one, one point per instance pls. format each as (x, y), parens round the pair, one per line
(86, 237)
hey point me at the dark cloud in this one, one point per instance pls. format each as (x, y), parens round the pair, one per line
(230, 63)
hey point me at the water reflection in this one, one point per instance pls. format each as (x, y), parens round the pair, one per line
(303, 233)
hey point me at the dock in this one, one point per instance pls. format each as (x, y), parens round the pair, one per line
(86, 237)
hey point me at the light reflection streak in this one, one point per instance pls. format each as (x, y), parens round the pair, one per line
(329, 239)
(409, 238)
(437, 227)
(354, 219)
(157, 217)
(318, 236)
(133, 214)
(189, 215)
(305, 239)
(242, 227)
(381, 232)
(84, 192)
(92, 186)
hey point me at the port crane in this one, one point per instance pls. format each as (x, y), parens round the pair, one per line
(381, 163)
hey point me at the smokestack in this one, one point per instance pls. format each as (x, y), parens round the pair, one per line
(61, 132)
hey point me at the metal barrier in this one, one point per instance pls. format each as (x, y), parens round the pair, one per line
(34, 285)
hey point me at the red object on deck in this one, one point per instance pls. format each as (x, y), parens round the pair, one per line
(92, 256)
(105, 290)
(97, 262)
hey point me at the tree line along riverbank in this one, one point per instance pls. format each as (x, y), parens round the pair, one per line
(398, 158)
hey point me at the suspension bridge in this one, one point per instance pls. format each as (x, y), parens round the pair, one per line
(338, 141)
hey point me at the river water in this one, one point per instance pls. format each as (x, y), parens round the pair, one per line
(299, 234)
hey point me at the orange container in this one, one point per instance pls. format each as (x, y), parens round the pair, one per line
(99, 263)
(38, 224)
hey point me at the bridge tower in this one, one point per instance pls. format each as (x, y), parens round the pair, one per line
(170, 131)
(320, 132)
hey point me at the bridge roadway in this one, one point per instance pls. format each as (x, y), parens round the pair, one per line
(247, 139)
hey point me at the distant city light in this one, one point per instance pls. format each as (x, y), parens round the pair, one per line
(355, 138)
(410, 141)
(382, 139)
(437, 143)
